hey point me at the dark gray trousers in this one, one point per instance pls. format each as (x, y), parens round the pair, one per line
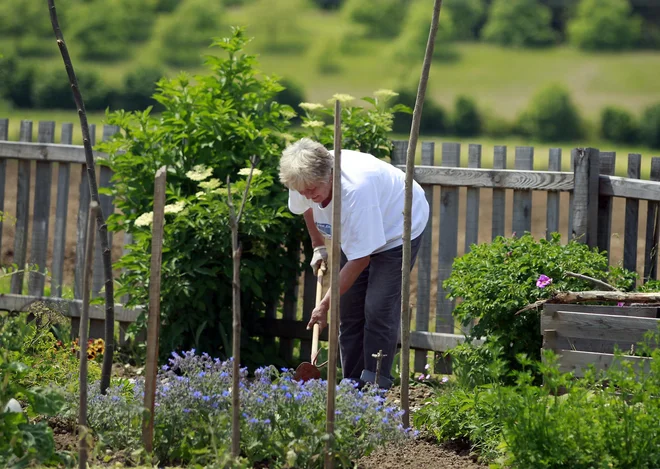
(370, 316)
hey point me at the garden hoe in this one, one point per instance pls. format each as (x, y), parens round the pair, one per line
(307, 370)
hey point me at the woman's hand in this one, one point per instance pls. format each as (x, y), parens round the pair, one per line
(319, 316)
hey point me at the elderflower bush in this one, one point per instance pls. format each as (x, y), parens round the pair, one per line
(282, 420)
(363, 129)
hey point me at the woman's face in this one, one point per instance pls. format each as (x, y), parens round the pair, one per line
(318, 192)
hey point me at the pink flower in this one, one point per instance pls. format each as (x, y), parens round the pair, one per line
(444, 379)
(620, 303)
(543, 281)
(421, 377)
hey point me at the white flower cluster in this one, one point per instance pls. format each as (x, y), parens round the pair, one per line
(199, 173)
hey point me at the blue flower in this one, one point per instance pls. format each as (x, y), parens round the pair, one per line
(224, 374)
(206, 398)
(288, 395)
(267, 421)
(202, 374)
(225, 393)
(197, 394)
(186, 411)
(164, 367)
(253, 420)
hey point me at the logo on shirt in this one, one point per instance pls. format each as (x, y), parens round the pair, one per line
(325, 229)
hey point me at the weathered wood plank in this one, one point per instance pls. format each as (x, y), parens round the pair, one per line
(289, 306)
(309, 300)
(84, 199)
(598, 326)
(499, 195)
(578, 363)
(632, 217)
(41, 215)
(593, 156)
(616, 186)
(495, 179)
(472, 203)
(399, 152)
(4, 135)
(53, 152)
(522, 199)
(422, 313)
(571, 200)
(580, 194)
(652, 229)
(637, 311)
(552, 214)
(447, 249)
(22, 213)
(419, 340)
(108, 208)
(607, 167)
(61, 209)
(67, 307)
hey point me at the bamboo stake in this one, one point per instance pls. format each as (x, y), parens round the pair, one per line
(335, 254)
(109, 338)
(407, 210)
(234, 220)
(82, 335)
(153, 320)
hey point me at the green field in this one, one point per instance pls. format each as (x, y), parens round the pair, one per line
(502, 80)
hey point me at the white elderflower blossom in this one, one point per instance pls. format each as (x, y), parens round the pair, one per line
(176, 207)
(384, 94)
(210, 184)
(145, 219)
(314, 124)
(311, 106)
(200, 195)
(246, 172)
(288, 113)
(199, 172)
(342, 98)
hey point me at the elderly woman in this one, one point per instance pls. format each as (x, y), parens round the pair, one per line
(372, 198)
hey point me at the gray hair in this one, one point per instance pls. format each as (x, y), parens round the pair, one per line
(305, 163)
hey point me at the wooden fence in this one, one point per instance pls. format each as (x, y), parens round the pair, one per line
(472, 204)
(584, 335)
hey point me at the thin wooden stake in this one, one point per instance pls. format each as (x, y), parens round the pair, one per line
(333, 336)
(82, 340)
(153, 320)
(407, 211)
(234, 220)
(108, 352)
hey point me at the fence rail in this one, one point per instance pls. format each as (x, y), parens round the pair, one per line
(472, 204)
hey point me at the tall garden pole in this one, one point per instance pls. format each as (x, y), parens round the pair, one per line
(234, 220)
(153, 320)
(335, 254)
(82, 335)
(407, 209)
(109, 338)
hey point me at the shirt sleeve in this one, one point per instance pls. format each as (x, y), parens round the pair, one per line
(362, 232)
(297, 203)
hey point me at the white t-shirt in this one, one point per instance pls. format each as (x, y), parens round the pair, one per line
(373, 194)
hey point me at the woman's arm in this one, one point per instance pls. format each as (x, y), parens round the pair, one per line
(314, 234)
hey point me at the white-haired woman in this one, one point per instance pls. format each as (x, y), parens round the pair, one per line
(372, 198)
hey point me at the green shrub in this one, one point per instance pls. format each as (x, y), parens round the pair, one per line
(16, 81)
(434, 119)
(618, 125)
(103, 36)
(604, 25)
(495, 280)
(466, 118)
(53, 91)
(139, 88)
(467, 15)
(519, 23)
(193, 26)
(551, 116)
(495, 126)
(24, 442)
(410, 46)
(649, 126)
(378, 18)
(326, 57)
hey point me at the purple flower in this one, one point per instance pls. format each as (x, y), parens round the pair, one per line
(543, 281)
(444, 379)
(620, 303)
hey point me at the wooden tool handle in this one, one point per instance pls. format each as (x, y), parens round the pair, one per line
(316, 331)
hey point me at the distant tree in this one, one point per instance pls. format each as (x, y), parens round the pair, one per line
(519, 23)
(650, 126)
(618, 125)
(193, 26)
(410, 46)
(467, 121)
(277, 25)
(604, 25)
(379, 18)
(103, 35)
(139, 88)
(467, 16)
(551, 116)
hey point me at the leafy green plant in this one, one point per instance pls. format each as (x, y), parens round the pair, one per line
(363, 129)
(495, 280)
(24, 442)
(474, 365)
(649, 126)
(434, 120)
(604, 25)
(377, 18)
(467, 120)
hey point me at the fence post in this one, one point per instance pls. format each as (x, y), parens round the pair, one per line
(585, 195)
(22, 213)
(522, 198)
(632, 217)
(499, 195)
(4, 135)
(607, 167)
(652, 227)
